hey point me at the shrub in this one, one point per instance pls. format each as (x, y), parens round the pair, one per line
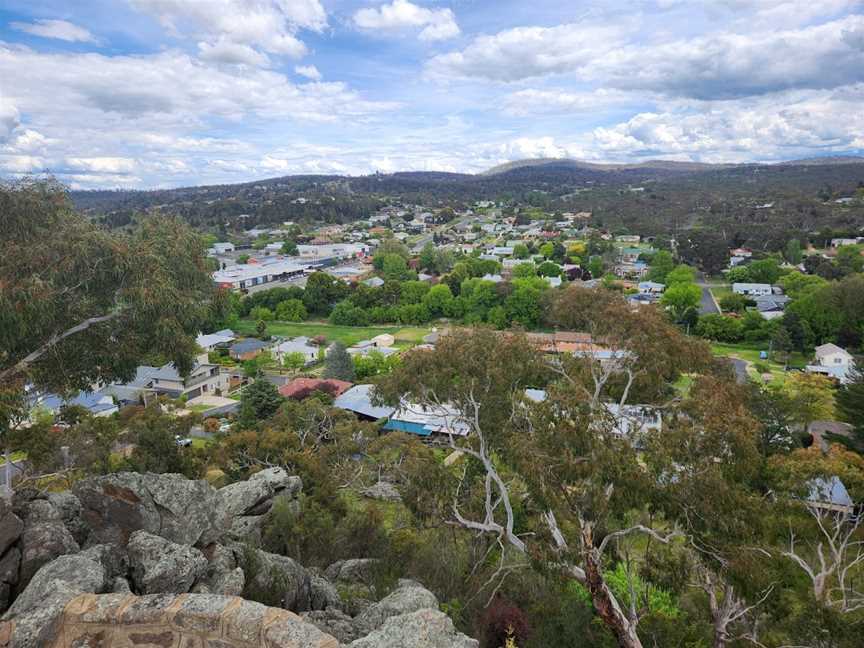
(501, 621)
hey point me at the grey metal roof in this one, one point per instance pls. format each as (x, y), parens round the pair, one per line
(244, 346)
(358, 399)
(830, 490)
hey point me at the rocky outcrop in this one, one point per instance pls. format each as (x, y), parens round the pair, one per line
(276, 579)
(382, 490)
(247, 503)
(428, 628)
(11, 527)
(69, 508)
(181, 510)
(161, 566)
(223, 576)
(409, 596)
(44, 538)
(353, 571)
(175, 621)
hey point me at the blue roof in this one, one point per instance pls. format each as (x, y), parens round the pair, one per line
(94, 402)
(407, 426)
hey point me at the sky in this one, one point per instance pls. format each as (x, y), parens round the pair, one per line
(165, 93)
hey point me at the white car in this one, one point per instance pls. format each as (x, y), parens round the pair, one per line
(183, 442)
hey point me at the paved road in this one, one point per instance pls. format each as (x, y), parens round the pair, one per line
(707, 304)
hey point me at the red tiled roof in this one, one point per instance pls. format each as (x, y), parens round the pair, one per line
(300, 388)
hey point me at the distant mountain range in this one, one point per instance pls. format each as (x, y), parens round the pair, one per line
(664, 165)
(661, 191)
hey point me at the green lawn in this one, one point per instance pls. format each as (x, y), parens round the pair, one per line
(720, 292)
(348, 335)
(749, 352)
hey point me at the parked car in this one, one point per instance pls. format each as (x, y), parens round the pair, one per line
(183, 442)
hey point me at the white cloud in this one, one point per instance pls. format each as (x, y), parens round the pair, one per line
(28, 141)
(249, 25)
(225, 51)
(91, 114)
(526, 52)
(534, 102)
(728, 65)
(436, 24)
(308, 71)
(59, 29)
(719, 65)
(169, 88)
(109, 165)
(21, 163)
(9, 119)
(776, 127)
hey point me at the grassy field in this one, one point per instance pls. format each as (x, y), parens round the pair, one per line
(750, 354)
(720, 292)
(348, 335)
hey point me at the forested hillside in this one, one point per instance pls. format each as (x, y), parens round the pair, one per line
(653, 198)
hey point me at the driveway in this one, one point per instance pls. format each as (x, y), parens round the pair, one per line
(708, 305)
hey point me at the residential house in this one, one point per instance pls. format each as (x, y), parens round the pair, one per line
(247, 349)
(627, 421)
(494, 278)
(427, 422)
(301, 388)
(204, 378)
(651, 288)
(367, 347)
(635, 270)
(96, 403)
(629, 254)
(833, 361)
(374, 282)
(752, 289)
(628, 238)
(221, 248)
(502, 251)
(358, 399)
(301, 345)
(771, 306)
(830, 494)
(212, 341)
(840, 242)
(634, 420)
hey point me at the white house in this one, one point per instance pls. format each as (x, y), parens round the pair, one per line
(833, 361)
(300, 345)
(751, 289)
(651, 287)
(222, 248)
(210, 341)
